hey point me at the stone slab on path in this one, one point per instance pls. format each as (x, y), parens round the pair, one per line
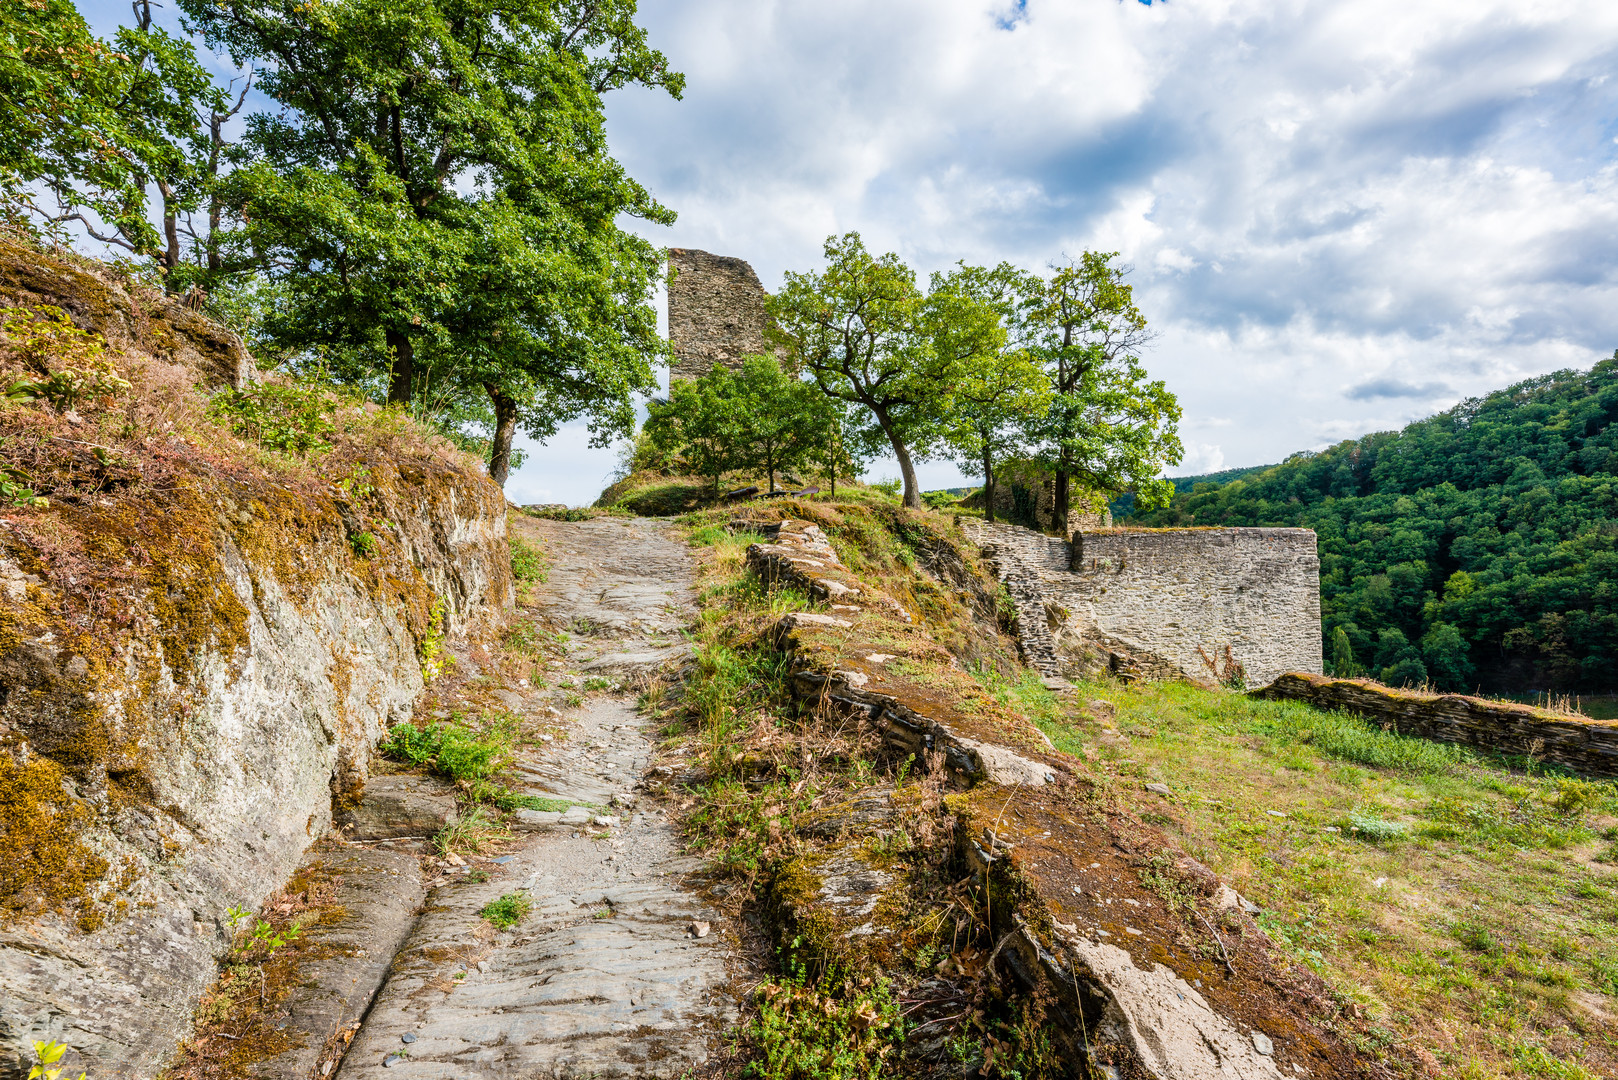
(378, 892)
(602, 978)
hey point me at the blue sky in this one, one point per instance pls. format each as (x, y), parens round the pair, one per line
(1341, 216)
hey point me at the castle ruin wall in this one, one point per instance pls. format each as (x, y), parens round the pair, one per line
(716, 312)
(1160, 600)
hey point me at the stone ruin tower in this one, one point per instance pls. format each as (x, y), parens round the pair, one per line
(716, 312)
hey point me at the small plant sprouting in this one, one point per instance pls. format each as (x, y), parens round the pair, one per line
(270, 939)
(507, 911)
(434, 660)
(363, 543)
(49, 1053)
(235, 915)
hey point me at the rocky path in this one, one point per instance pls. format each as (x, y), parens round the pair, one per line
(614, 972)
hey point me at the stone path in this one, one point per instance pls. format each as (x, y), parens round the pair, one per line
(606, 976)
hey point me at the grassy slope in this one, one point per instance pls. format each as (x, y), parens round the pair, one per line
(1489, 948)
(1474, 915)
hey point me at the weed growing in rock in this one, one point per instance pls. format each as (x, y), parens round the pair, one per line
(293, 417)
(430, 649)
(507, 911)
(473, 831)
(48, 1053)
(804, 1032)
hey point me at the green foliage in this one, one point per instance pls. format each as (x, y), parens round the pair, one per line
(805, 1032)
(95, 123)
(1108, 426)
(527, 562)
(1340, 656)
(48, 1053)
(363, 543)
(455, 749)
(435, 199)
(860, 330)
(1486, 536)
(435, 660)
(507, 911)
(999, 388)
(64, 364)
(1375, 829)
(293, 417)
(266, 939)
(759, 419)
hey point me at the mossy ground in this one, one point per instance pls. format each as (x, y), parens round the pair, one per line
(1468, 909)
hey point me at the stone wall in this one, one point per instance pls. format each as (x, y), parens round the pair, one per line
(1585, 746)
(1161, 601)
(716, 312)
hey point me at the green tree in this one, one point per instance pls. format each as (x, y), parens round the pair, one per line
(785, 421)
(998, 388)
(1446, 655)
(1109, 426)
(1340, 661)
(860, 329)
(437, 181)
(95, 124)
(703, 422)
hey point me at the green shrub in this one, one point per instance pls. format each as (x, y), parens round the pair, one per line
(527, 564)
(808, 1033)
(292, 417)
(507, 911)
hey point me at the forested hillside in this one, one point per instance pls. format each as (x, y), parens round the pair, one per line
(1478, 547)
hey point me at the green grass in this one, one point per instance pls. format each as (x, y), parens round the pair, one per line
(507, 911)
(1462, 904)
(472, 752)
(528, 563)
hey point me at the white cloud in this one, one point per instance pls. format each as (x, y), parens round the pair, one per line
(1342, 215)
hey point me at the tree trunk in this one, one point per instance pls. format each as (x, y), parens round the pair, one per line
(988, 486)
(912, 494)
(1059, 509)
(403, 374)
(170, 259)
(505, 428)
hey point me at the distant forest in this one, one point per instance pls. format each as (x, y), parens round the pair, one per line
(1476, 548)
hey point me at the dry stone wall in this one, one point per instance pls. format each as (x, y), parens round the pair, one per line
(716, 312)
(1583, 745)
(1160, 601)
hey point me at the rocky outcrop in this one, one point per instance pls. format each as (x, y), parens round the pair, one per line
(197, 653)
(157, 777)
(1579, 743)
(132, 319)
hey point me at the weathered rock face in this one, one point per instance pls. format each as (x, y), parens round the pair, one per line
(716, 312)
(195, 662)
(184, 771)
(1583, 745)
(131, 320)
(1162, 602)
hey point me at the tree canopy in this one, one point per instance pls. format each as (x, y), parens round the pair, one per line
(1476, 547)
(1109, 426)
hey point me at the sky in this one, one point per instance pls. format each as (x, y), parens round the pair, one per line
(1340, 216)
